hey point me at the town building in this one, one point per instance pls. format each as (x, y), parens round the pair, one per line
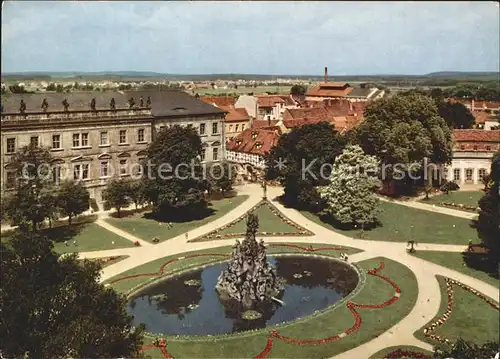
(97, 136)
(237, 120)
(472, 154)
(266, 107)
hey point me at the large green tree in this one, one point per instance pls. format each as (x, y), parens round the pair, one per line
(403, 130)
(350, 196)
(117, 193)
(33, 197)
(54, 307)
(456, 114)
(220, 177)
(298, 90)
(174, 179)
(467, 350)
(302, 160)
(488, 221)
(72, 199)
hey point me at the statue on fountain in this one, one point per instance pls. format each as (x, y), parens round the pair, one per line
(249, 278)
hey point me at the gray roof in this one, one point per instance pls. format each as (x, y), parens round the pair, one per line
(164, 103)
(360, 92)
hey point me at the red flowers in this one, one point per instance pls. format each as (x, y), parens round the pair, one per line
(137, 243)
(400, 353)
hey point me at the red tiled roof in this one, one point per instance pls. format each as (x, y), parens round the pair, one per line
(491, 105)
(299, 122)
(269, 100)
(477, 136)
(330, 89)
(320, 113)
(254, 141)
(235, 114)
(328, 110)
(482, 117)
(219, 100)
(264, 123)
(289, 100)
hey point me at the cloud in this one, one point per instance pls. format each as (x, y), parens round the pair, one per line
(250, 37)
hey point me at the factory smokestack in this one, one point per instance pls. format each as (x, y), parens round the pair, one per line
(326, 74)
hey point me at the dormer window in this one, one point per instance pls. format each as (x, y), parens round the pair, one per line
(258, 145)
(475, 148)
(254, 135)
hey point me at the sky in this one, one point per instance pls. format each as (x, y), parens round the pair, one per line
(295, 38)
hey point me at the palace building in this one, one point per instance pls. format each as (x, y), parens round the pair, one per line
(97, 136)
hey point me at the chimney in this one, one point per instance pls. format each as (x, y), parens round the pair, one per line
(326, 74)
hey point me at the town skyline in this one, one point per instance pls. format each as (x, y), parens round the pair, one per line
(271, 38)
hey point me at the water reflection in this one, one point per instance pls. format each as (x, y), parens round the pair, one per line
(190, 305)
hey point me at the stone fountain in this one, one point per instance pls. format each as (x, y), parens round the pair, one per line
(249, 279)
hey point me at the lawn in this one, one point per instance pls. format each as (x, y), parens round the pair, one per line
(381, 354)
(468, 198)
(268, 222)
(88, 237)
(154, 266)
(471, 318)
(456, 262)
(325, 324)
(146, 229)
(396, 221)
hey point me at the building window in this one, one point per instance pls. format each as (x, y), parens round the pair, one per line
(123, 167)
(85, 139)
(202, 129)
(462, 147)
(76, 140)
(138, 169)
(488, 148)
(203, 154)
(56, 141)
(140, 135)
(11, 145)
(481, 173)
(56, 175)
(215, 152)
(85, 171)
(10, 180)
(77, 172)
(34, 141)
(456, 174)
(468, 174)
(237, 128)
(123, 136)
(81, 171)
(475, 148)
(215, 128)
(104, 169)
(104, 138)
(242, 126)
(230, 128)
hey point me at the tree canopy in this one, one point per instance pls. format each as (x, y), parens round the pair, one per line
(456, 114)
(54, 307)
(72, 199)
(298, 90)
(305, 155)
(404, 129)
(117, 194)
(176, 185)
(350, 196)
(467, 350)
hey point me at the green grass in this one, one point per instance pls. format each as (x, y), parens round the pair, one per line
(471, 318)
(429, 227)
(456, 262)
(382, 353)
(147, 229)
(88, 236)
(154, 266)
(468, 198)
(329, 323)
(268, 222)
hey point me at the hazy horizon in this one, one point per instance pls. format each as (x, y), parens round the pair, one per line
(262, 38)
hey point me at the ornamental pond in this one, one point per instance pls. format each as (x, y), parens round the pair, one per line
(188, 304)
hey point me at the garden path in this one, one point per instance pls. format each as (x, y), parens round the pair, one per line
(429, 296)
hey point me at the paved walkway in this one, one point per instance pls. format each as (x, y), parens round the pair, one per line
(428, 300)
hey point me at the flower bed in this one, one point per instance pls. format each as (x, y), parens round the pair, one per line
(215, 234)
(400, 353)
(429, 330)
(460, 206)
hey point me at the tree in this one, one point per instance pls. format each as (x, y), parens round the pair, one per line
(220, 177)
(456, 114)
(298, 90)
(33, 198)
(488, 221)
(72, 199)
(117, 194)
(350, 196)
(176, 183)
(467, 350)
(51, 87)
(17, 89)
(403, 130)
(54, 307)
(136, 193)
(302, 160)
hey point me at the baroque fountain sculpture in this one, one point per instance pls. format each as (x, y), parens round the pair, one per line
(249, 278)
